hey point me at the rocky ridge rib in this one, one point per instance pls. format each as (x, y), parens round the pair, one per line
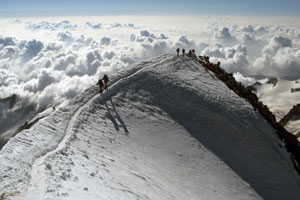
(290, 141)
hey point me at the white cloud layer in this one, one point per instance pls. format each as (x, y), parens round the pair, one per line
(48, 61)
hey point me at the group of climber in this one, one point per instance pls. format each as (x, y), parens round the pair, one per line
(103, 85)
(183, 52)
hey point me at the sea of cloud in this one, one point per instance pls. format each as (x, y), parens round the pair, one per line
(47, 61)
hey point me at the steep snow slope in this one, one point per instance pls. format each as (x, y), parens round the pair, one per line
(165, 129)
(280, 99)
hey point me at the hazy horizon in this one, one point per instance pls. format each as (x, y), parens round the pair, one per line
(155, 7)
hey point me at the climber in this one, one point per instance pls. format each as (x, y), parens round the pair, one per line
(177, 50)
(100, 84)
(190, 53)
(105, 79)
(183, 51)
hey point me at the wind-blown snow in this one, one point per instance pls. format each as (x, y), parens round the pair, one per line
(165, 129)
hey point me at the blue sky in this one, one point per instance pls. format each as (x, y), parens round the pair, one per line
(148, 7)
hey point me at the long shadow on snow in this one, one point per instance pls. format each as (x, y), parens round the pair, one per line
(114, 121)
(243, 142)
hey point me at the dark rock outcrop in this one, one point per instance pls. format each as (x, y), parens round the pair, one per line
(295, 90)
(11, 100)
(273, 81)
(253, 87)
(295, 111)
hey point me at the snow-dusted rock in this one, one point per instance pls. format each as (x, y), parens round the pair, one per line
(281, 98)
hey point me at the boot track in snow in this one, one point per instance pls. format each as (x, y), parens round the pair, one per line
(38, 164)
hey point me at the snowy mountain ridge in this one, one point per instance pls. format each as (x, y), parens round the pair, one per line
(165, 129)
(45, 144)
(285, 131)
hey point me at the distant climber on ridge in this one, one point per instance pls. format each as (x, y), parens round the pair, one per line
(177, 50)
(100, 84)
(183, 52)
(190, 53)
(105, 79)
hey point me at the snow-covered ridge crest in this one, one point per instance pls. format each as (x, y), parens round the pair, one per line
(153, 135)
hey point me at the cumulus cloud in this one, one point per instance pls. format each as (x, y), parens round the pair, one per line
(261, 30)
(269, 51)
(202, 46)
(282, 62)
(233, 59)
(31, 49)
(108, 55)
(224, 36)
(65, 36)
(248, 39)
(154, 48)
(45, 78)
(94, 25)
(119, 25)
(46, 25)
(5, 41)
(97, 25)
(35, 70)
(7, 78)
(105, 40)
(63, 61)
(278, 58)
(276, 43)
(246, 81)
(249, 29)
(184, 42)
(8, 52)
(145, 45)
(59, 59)
(147, 37)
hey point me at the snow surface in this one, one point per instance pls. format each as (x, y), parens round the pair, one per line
(281, 100)
(165, 129)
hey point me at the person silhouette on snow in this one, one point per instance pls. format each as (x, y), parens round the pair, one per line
(177, 50)
(190, 53)
(100, 84)
(183, 52)
(105, 79)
